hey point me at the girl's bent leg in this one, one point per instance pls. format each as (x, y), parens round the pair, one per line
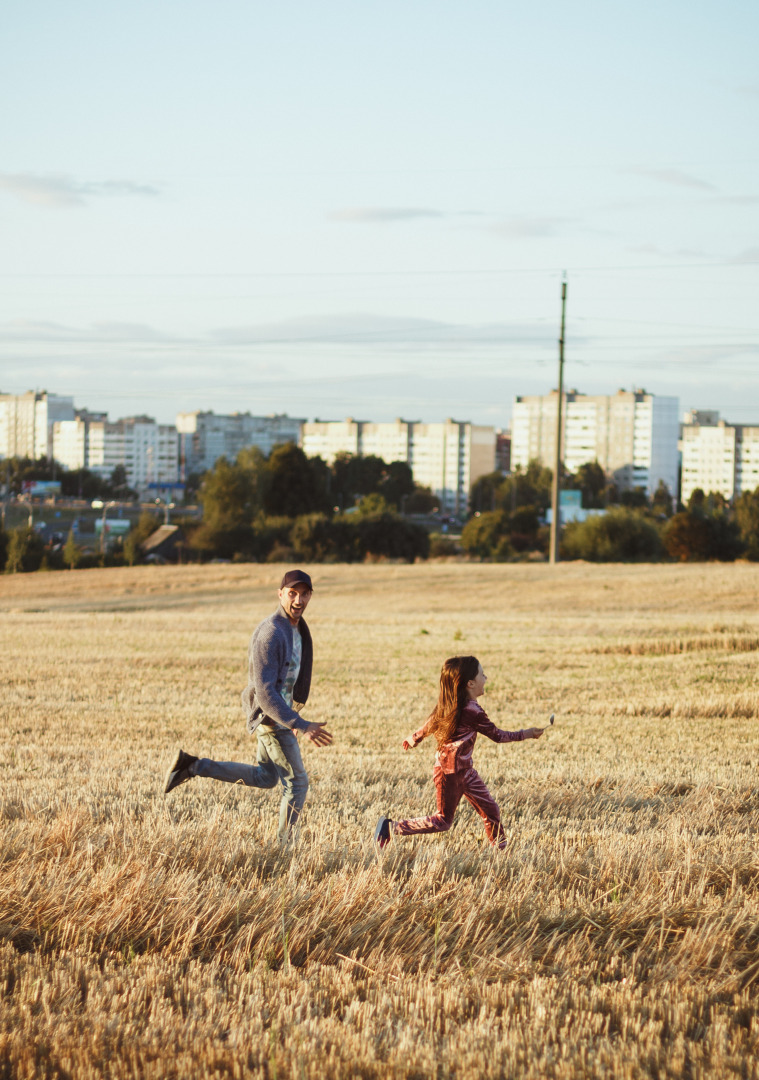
(475, 790)
(448, 793)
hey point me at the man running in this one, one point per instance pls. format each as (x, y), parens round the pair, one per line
(280, 659)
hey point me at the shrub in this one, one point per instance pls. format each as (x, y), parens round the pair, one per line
(72, 553)
(392, 537)
(692, 536)
(619, 536)
(25, 551)
(318, 538)
(481, 535)
(442, 546)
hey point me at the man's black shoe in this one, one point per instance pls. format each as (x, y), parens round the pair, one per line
(382, 832)
(179, 771)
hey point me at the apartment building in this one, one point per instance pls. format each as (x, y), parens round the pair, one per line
(447, 457)
(631, 434)
(204, 437)
(71, 438)
(149, 452)
(718, 457)
(26, 422)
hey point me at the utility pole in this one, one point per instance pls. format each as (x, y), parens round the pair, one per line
(556, 486)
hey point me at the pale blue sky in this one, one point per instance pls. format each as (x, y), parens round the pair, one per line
(365, 209)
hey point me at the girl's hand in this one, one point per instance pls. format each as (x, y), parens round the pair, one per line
(533, 732)
(406, 744)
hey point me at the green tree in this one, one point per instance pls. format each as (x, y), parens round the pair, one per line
(354, 475)
(320, 538)
(487, 492)
(621, 535)
(747, 519)
(118, 485)
(421, 501)
(83, 484)
(131, 548)
(4, 542)
(72, 553)
(25, 551)
(634, 499)
(373, 503)
(296, 484)
(391, 536)
(230, 495)
(694, 536)
(531, 487)
(483, 534)
(591, 480)
(661, 504)
(397, 484)
(697, 502)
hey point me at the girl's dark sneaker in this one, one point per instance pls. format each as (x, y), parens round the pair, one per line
(382, 832)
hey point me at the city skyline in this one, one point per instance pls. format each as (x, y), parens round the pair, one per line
(342, 211)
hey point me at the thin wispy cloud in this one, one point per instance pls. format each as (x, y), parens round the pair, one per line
(747, 257)
(29, 331)
(373, 215)
(521, 228)
(677, 178)
(64, 191)
(677, 253)
(349, 329)
(374, 330)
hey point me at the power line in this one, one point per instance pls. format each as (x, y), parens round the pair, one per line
(725, 264)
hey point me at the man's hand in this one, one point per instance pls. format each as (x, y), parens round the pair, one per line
(406, 744)
(533, 732)
(316, 733)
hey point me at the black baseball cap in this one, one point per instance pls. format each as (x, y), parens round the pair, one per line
(293, 577)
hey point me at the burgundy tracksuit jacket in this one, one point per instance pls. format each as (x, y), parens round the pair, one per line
(455, 777)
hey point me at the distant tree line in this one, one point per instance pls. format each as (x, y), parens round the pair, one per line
(256, 508)
(75, 483)
(289, 507)
(632, 528)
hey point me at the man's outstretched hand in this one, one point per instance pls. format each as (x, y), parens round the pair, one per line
(316, 733)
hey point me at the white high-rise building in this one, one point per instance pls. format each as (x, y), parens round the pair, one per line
(71, 439)
(446, 457)
(631, 434)
(149, 452)
(718, 458)
(204, 437)
(26, 422)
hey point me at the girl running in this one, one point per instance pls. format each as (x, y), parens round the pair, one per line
(455, 722)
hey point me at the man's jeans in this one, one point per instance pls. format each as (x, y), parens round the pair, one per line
(278, 758)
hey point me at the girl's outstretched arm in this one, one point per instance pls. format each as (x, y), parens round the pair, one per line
(416, 738)
(486, 727)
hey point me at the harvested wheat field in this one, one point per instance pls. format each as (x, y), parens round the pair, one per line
(616, 936)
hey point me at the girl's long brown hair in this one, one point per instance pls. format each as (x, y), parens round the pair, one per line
(455, 674)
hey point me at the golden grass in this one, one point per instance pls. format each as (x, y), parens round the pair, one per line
(617, 935)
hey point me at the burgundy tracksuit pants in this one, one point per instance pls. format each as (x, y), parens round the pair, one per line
(450, 788)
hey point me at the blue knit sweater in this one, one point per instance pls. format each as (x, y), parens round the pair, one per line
(271, 648)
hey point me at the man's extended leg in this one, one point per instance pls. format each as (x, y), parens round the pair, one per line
(281, 747)
(264, 774)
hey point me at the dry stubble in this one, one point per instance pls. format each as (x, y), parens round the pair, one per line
(616, 935)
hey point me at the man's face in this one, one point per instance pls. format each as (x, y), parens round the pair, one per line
(294, 599)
